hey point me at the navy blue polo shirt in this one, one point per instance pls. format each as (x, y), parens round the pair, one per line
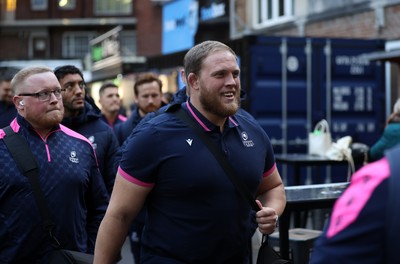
(195, 214)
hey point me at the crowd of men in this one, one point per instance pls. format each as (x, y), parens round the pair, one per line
(150, 176)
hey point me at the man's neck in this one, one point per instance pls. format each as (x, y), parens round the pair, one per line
(110, 116)
(72, 113)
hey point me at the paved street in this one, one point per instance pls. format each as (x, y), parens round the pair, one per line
(127, 257)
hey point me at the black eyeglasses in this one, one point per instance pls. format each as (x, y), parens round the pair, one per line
(44, 95)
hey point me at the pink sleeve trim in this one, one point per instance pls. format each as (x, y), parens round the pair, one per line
(348, 207)
(131, 179)
(270, 171)
(75, 134)
(122, 118)
(14, 125)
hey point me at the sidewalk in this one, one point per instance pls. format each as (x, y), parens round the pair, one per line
(127, 257)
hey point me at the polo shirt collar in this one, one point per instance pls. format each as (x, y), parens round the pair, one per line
(203, 121)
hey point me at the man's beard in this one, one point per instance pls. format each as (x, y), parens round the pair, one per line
(213, 104)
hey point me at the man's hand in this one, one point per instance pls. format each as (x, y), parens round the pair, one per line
(267, 219)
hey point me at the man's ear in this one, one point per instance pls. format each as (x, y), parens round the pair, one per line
(193, 81)
(18, 102)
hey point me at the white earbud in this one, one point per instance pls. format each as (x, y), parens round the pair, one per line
(21, 103)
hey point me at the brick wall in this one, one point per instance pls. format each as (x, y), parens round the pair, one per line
(361, 25)
(149, 28)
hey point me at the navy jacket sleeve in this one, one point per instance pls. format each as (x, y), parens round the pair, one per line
(97, 202)
(112, 157)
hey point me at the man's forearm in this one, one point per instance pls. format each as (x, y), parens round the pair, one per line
(274, 198)
(110, 238)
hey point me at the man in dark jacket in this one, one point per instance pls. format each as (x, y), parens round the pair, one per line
(68, 176)
(148, 98)
(81, 116)
(7, 109)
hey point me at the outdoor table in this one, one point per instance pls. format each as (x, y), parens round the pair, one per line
(298, 160)
(306, 197)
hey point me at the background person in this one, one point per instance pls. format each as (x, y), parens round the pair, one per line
(7, 109)
(73, 188)
(363, 227)
(194, 213)
(167, 97)
(110, 104)
(80, 116)
(390, 136)
(148, 98)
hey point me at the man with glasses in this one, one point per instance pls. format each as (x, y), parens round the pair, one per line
(80, 115)
(73, 190)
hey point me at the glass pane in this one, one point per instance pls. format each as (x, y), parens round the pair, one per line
(113, 7)
(128, 43)
(66, 4)
(39, 4)
(76, 45)
(269, 14)
(281, 8)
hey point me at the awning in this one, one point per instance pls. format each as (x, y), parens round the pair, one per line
(390, 55)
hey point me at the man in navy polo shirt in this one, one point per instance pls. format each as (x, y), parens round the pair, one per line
(194, 212)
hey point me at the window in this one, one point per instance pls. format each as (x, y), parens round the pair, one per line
(112, 7)
(76, 44)
(66, 4)
(128, 43)
(38, 5)
(271, 12)
(11, 4)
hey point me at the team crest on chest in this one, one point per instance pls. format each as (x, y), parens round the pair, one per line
(73, 157)
(246, 141)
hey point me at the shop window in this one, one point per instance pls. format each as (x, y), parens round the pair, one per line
(39, 47)
(112, 7)
(38, 5)
(66, 4)
(11, 5)
(128, 43)
(76, 44)
(271, 12)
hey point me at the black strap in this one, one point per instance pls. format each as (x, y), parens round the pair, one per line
(244, 192)
(393, 213)
(26, 163)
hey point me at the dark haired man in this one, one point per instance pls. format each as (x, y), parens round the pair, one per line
(81, 116)
(110, 104)
(7, 109)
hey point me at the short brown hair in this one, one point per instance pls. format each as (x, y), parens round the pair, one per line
(146, 78)
(25, 73)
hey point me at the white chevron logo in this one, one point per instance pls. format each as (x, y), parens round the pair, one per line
(189, 141)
